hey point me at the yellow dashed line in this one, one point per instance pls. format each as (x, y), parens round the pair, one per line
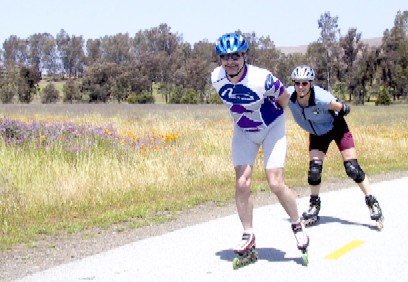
(345, 249)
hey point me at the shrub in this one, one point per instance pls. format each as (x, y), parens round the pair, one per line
(383, 97)
(143, 98)
(50, 94)
(71, 92)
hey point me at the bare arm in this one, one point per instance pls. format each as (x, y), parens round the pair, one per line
(283, 99)
(335, 106)
(340, 107)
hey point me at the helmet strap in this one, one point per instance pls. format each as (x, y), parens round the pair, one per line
(234, 75)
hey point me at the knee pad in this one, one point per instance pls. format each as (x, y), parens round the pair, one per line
(315, 172)
(354, 171)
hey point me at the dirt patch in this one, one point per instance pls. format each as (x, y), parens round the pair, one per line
(51, 251)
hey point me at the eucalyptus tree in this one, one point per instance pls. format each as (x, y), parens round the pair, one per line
(50, 60)
(77, 56)
(198, 67)
(15, 52)
(394, 56)
(93, 51)
(352, 46)
(329, 37)
(156, 50)
(267, 56)
(318, 62)
(42, 53)
(116, 49)
(287, 63)
(35, 51)
(364, 73)
(253, 41)
(71, 52)
(62, 40)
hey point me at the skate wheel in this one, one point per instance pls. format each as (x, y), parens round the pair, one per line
(311, 221)
(236, 263)
(380, 224)
(305, 259)
(255, 256)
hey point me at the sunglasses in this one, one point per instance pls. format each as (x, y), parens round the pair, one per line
(234, 56)
(304, 83)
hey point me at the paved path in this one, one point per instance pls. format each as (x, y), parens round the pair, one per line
(203, 252)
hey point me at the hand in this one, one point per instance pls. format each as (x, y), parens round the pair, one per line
(345, 110)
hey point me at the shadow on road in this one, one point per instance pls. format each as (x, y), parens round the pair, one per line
(331, 219)
(268, 254)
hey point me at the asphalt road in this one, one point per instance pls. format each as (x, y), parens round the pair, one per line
(345, 246)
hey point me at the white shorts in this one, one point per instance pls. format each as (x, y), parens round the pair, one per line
(245, 145)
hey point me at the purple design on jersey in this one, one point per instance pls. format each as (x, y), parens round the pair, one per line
(239, 109)
(245, 122)
(268, 82)
(279, 86)
(270, 110)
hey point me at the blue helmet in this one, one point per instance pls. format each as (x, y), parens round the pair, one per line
(231, 43)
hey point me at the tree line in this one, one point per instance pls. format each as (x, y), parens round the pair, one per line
(121, 68)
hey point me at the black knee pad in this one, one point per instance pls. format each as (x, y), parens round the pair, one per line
(354, 171)
(315, 172)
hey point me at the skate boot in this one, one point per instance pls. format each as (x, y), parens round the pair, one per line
(311, 216)
(246, 251)
(375, 211)
(302, 240)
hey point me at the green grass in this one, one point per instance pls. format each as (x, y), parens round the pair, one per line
(47, 190)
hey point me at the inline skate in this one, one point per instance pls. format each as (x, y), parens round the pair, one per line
(246, 251)
(375, 211)
(311, 216)
(302, 240)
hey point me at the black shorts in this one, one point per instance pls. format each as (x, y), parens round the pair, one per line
(340, 134)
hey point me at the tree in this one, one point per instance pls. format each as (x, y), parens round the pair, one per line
(116, 49)
(9, 85)
(351, 45)
(15, 52)
(49, 56)
(71, 52)
(93, 51)
(286, 65)
(30, 77)
(393, 58)
(98, 81)
(364, 72)
(318, 62)
(62, 41)
(329, 38)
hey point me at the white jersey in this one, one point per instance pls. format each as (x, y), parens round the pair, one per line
(252, 101)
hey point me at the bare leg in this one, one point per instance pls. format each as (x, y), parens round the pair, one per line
(287, 199)
(285, 196)
(243, 196)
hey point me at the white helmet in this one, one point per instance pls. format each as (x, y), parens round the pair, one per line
(303, 72)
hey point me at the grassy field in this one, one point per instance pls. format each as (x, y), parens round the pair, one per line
(66, 168)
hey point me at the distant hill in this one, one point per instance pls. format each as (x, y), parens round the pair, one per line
(373, 42)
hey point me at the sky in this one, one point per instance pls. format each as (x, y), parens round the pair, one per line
(288, 23)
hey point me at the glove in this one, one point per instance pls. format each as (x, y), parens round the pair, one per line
(345, 110)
